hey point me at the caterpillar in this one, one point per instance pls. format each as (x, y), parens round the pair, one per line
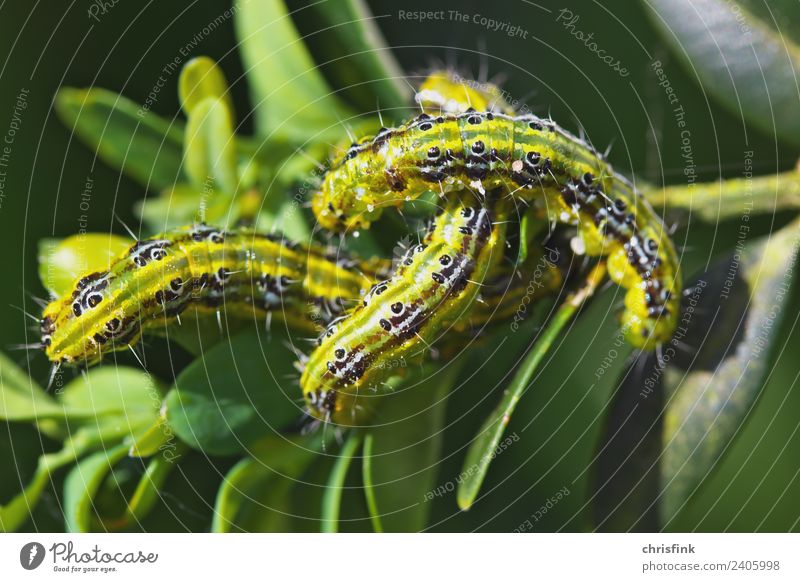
(156, 279)
(435, 285)
(535, 161)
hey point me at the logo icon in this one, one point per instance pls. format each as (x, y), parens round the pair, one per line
(31, 555)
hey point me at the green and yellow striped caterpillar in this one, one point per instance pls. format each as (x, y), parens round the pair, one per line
(532, 160)
(246, 273)
(434, 286)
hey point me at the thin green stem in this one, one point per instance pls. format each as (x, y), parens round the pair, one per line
(332, 499)
(724, 199)
(369, 491)
(482, 451)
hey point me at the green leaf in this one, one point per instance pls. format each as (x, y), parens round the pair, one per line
(82, 483)
(112, 402)
(201, 78)
(739, 56)
(153, 439)
(63, 261)
(235, 393)
(736, 318)
(112, 390)
(290, 97)
(147, 492)
(171, 208)
(482, 450)
(332, 498)
(16, 512)
(256, 493)
(21, 399)
(346, 36)
(246, 475)
(83, 440)
(141, 144)
(407, 445)
(286, 218)
(200, 331)
(277, 212)
(184, 204)
(209, 148)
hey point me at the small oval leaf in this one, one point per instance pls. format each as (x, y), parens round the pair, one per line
(210, 149)
(256, 493)
(146, 494)
(21, 399)
(62, 262)
(235, 393)
(201, 78)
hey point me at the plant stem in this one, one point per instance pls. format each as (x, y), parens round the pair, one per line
(332, 499)
(724, 199)
(481, 452)
(369, 490)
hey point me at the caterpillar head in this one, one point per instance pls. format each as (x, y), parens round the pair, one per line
(647, 329)
(446, 92)
(330, 382)
(80, 327)
(342, 408)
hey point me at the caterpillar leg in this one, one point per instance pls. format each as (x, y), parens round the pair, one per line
(434, 286)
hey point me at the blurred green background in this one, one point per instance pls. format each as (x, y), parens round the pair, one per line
(46, 46)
